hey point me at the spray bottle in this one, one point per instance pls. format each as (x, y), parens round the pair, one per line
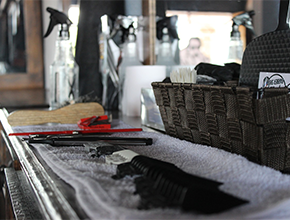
(166, 31)
(64, 71)
(130, 58)
(236, 47)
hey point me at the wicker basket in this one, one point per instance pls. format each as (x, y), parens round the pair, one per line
(229, 118)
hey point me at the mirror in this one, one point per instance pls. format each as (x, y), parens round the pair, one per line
(207, 26)
(205, 36)
(21, 52)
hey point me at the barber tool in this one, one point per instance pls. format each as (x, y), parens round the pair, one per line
(94, 122)
(269, 52)
(69, 114)
(162, 184)
(80, 139)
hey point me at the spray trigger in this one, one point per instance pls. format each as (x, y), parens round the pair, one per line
(56, 17)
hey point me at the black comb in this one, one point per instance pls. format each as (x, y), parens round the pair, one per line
(162, 184)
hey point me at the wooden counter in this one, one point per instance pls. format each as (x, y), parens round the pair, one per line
(24, 98)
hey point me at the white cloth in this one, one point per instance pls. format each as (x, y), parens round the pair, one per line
(267, 190)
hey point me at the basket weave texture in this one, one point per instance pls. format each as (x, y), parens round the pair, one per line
(229, 118)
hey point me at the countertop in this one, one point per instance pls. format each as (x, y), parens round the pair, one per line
(68, 184)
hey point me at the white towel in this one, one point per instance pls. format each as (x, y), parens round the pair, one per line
(101, 197)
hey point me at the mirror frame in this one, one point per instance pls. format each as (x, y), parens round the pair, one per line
(33, 77)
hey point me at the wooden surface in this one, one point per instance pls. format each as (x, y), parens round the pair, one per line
(23, 98)
(70, 114)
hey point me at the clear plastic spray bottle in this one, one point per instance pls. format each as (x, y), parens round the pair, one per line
(64, 71)
(130, 58)
(236, 47)
(166, 30)
(165, 56)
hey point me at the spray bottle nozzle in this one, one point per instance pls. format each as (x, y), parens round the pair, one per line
(57, 17)
(170, 24)
(127, 32)
(244, 19)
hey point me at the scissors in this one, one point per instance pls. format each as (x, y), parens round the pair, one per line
(94, 122)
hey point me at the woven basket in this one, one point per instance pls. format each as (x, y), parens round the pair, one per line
(229, 118)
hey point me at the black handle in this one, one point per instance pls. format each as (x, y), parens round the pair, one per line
(80, 140)
(283, 15)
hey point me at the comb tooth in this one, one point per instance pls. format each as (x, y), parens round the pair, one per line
(138, 165)
(161, 186)
(167, 190)
(174, 191)
(146, 169)
(165, 187)
(152, 173)
(171, 188)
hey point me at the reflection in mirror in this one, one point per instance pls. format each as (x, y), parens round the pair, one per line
(204, 36)
(12, 37)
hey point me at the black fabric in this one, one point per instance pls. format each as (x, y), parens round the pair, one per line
(87, 47)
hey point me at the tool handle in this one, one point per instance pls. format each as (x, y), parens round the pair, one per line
(71, 141)
(283, 15)
(70, 114)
